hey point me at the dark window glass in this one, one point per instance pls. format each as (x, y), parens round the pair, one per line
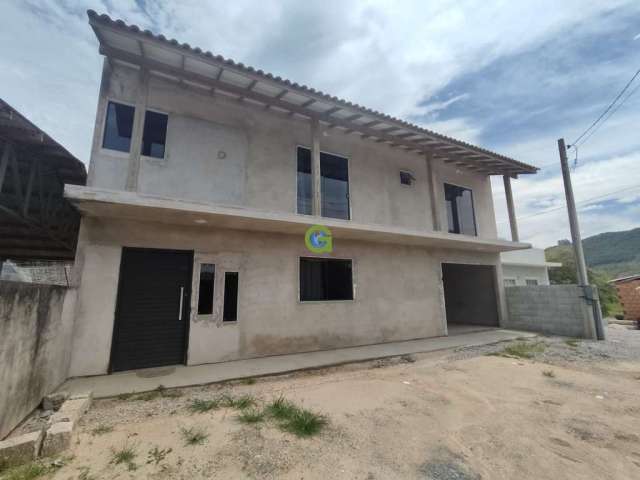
(154, 135)
(304, 181)
(205, 292)
(460, 210)
(230, 297)
(325, 279)
(406, 178)
(118, 127)
(334, 184)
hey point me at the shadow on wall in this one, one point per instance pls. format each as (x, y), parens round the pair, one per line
(35, 339)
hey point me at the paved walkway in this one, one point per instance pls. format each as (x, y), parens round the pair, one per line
(182, 376)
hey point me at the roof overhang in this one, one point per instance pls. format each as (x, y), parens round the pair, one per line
(193, 68)
(93, 202)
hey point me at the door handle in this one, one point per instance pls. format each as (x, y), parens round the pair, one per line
(181, 300)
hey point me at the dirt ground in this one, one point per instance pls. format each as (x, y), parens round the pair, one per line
(572, 412)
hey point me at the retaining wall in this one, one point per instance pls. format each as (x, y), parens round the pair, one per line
(35, 344)
(550, 309)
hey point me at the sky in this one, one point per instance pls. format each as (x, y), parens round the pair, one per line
(510, 76)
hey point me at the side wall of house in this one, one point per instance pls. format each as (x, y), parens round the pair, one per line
(522, 273)
(398, 292)
(224, 152)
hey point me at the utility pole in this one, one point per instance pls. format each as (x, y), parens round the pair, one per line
(583, 280)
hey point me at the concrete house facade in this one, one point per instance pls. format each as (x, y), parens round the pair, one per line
(205, 176)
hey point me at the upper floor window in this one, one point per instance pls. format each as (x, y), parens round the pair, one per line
(334, 184)
(118, 127)
(154, 135)
(460, 212)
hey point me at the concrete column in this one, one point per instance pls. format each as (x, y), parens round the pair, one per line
(136, 134)
(512, 211)
(315, 169)
(435, 218)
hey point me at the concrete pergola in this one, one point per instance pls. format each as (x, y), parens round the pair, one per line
(215, 75)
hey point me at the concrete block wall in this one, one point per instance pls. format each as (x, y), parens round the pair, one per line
(36, 322)
(550, 309)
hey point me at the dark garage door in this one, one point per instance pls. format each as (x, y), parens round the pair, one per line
(152, 314)
(470, 294)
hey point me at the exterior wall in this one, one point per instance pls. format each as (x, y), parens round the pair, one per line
(522, 273)
(553, 309)
(259, 168)
(398, 292)
(35, 338)
(629, 293)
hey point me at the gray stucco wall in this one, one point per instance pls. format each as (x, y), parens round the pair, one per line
(550, 309)
(35, 339)
(259, 165)
(398, 292)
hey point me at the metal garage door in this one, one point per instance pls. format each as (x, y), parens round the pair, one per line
(470, 294)
(152, 314)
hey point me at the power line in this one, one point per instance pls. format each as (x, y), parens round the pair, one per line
(582, 202)
(575, 142)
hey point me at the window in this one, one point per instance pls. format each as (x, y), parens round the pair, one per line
(230, 313)
(460, 210)
(325, 279)
(118, 127)
(509, 282)
(334, 184)
(531, 282)
(406, 178)
(154, 135)
(205, 292)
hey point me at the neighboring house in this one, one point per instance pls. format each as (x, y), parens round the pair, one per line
(205, 175)
(526, 267)
(629, 293)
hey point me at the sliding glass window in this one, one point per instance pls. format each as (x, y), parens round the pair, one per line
(334, 184)
(460, 211)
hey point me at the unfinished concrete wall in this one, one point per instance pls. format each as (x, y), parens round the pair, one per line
(550, 309)
(398, 292)
(35, 338)
(258, 168)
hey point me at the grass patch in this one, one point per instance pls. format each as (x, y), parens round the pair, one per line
(194, 435)
(549, 373)
(241, 402)
(28, 471)
(101, 430)
(125, 455)
(199, 405)
(251, 415)
(521, 350)
(160, 392)
(296, 420)
(281, 408)
(248, 381)
(304, 423)
(572, 342)
(157, 455)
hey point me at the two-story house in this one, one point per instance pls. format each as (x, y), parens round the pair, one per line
(205, 176)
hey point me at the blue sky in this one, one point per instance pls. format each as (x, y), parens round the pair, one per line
(509, 76)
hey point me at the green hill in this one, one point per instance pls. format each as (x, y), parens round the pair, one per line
(615, 254)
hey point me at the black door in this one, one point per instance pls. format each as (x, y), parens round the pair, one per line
(470, 294)
(152, 314)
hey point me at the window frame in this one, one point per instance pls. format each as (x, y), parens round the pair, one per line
(166, 135)
(105, 112)
(354, 282)
(509, 279)
(341, 155)
(527, 280)
(473, 207)
(224, 291)
(198, 273)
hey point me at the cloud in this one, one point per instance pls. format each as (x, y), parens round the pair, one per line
(509, 76)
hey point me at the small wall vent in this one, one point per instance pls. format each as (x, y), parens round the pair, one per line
(406, 178)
